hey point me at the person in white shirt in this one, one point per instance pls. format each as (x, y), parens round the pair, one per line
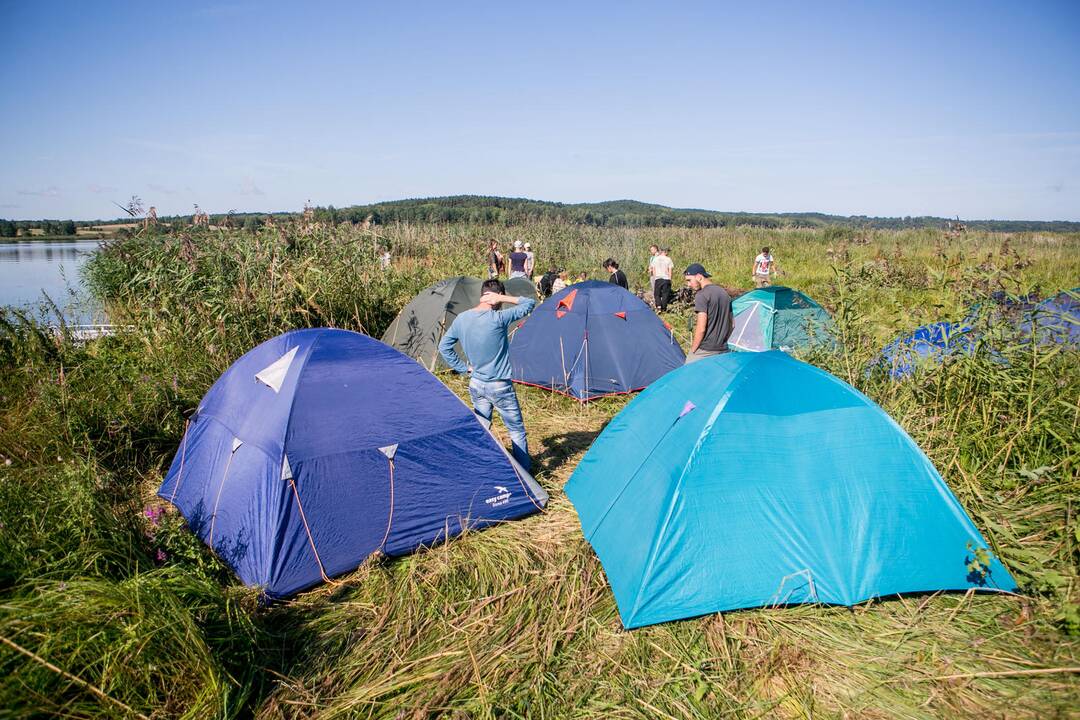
(661, 268)
(654, 251)
(530, 261)
(764, 267)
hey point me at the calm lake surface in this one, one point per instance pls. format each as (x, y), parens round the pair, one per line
(31, 270)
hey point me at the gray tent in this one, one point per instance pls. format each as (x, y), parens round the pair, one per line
(417, 329)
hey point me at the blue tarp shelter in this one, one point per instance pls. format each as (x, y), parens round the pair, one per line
(593, 339)
(1055, 320)
(320, 447)
(754, 479)
(925, 344)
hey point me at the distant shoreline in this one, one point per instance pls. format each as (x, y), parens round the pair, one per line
(54, 238)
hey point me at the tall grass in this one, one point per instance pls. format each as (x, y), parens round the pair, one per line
(110, 608)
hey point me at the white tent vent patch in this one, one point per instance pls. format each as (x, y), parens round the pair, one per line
(389, 450)
(236, 443)
(274, 375)
(286, 471)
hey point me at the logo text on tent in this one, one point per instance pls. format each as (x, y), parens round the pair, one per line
(502, 498)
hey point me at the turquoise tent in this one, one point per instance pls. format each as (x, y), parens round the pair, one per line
(754, 479)
(777, 318)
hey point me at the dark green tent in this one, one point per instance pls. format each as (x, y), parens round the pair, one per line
(417, 329)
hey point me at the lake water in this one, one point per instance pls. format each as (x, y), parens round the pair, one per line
(31, 270)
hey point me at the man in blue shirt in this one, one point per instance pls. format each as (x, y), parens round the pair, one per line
(482, 334)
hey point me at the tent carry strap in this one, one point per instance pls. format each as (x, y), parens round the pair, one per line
(307, 529)
(183, 452)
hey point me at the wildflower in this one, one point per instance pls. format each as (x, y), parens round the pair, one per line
(161, 556)
(153, 514)
(62, 586)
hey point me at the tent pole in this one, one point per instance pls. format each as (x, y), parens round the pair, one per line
(213, 515)
(390, 519)
(183, 452)
(307, 529)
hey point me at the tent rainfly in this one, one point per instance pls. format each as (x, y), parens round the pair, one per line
(320, 447)
(754, 479)
(419, 327)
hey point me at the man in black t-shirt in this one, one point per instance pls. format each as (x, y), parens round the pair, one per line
(712, 315)
(618, 277)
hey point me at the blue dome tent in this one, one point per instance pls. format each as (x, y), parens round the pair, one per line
(930, 343)
(593, 339)
(320, 447)
(753, 479)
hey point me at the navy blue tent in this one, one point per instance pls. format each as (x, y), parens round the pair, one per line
(320, 447)
(928, 343)
(593, 339)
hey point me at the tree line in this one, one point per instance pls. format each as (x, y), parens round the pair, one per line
(477, 209)
(12, 228)
(632, 213)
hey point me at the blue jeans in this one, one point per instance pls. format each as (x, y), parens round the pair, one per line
(499, 394)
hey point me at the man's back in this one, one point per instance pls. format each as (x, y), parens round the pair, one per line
(662, 267)
(517, 261)
(714, 301)
(482, 334)
(618, 277)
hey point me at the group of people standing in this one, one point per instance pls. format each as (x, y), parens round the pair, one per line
(520, 262)
(483, 329)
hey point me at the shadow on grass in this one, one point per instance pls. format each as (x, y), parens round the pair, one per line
(558, 449)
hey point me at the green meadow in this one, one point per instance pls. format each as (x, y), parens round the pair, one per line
(110, 608)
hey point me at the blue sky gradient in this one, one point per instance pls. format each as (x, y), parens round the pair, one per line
(966, 108)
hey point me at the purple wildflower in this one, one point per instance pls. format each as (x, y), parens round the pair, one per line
(153, 514)
(161, 556)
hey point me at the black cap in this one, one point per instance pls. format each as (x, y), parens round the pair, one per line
(696, 269)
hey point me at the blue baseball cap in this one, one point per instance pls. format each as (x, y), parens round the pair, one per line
(696, 269)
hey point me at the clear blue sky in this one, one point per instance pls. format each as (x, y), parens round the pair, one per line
(969, 108)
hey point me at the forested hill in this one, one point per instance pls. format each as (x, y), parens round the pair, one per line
(631, 213)
(612, 213)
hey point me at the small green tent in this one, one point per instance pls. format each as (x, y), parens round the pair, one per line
(419, 327)
(777, 318)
